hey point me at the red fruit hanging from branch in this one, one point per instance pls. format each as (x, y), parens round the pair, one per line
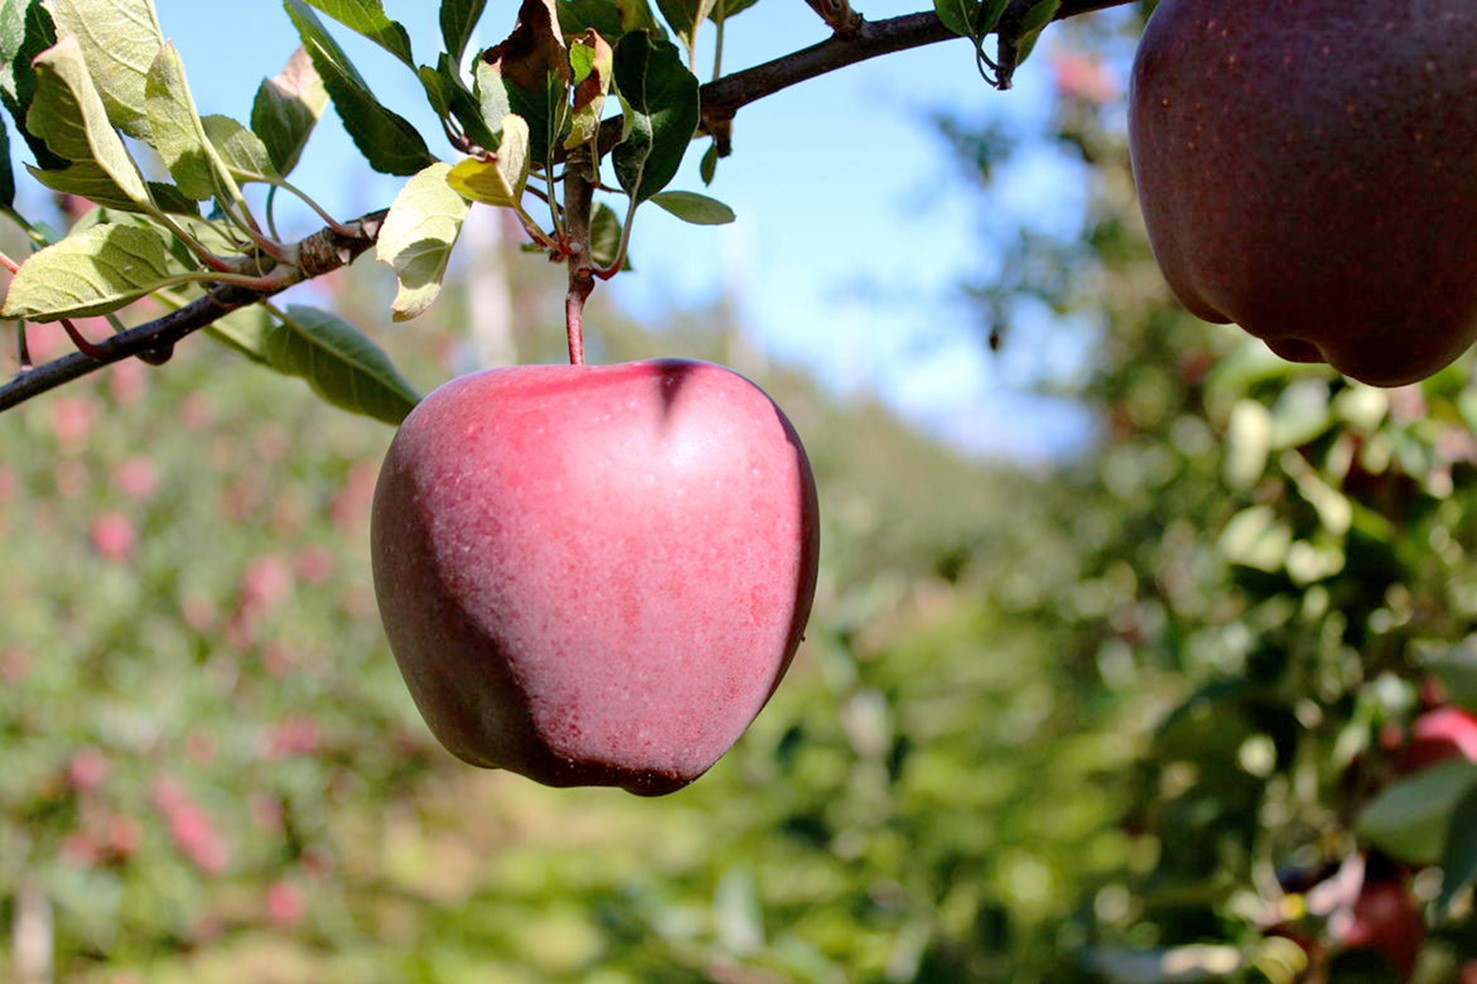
(595, 574)
(1309, 171)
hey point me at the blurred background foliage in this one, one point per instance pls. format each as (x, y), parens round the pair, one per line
(1190, 706)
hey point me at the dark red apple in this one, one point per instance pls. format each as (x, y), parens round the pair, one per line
(1308, 170)
(1387, 919)
(595, 575)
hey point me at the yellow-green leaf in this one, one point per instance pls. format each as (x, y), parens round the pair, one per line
(96, 271)
(68, 114)
(241, 152)
(178, 135)
(119, 40)
(499, 181)
(418, 235)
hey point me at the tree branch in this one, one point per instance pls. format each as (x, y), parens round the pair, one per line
(727, 95)
(322, 252)
(724, 97)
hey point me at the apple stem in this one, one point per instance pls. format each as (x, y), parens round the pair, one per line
(580, 176)
(574, 315)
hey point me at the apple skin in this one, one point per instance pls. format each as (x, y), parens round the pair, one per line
(595, 575)
(1308, 170)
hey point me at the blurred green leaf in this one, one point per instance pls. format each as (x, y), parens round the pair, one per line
(1459, 854)
(1456, 667)
(1409, 819)
(1256, 537)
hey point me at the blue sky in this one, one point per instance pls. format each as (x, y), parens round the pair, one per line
(855, 227)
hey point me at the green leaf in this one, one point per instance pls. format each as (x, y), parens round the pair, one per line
(390, 143)
(25, 31)
(499, 181)
(168, 198)
(418, 235)
(96, 271)
(1459, 857)
(689, 206)
(68, 114)
(437, 89)
(13, 14)
(605, 236)
(591, 58)
(958, 15)
(178, 135)
(239, 150)
(987, 17)
(450, 97)
(119, 40)
(458, 21)
(492, 98)
(660, 98)
(367, 18)
(286, 110)
(685, 17)
(708, 166)
(611, 18)
(1409, 818)
(528, 75)
(340, 362)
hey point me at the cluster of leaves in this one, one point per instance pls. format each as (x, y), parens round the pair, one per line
(521, 109)
(77, 79)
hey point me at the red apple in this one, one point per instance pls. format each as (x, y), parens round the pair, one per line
(1308, 170)
(595, 575)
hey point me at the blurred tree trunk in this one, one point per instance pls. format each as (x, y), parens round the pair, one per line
(489, 297)
(31, 934)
